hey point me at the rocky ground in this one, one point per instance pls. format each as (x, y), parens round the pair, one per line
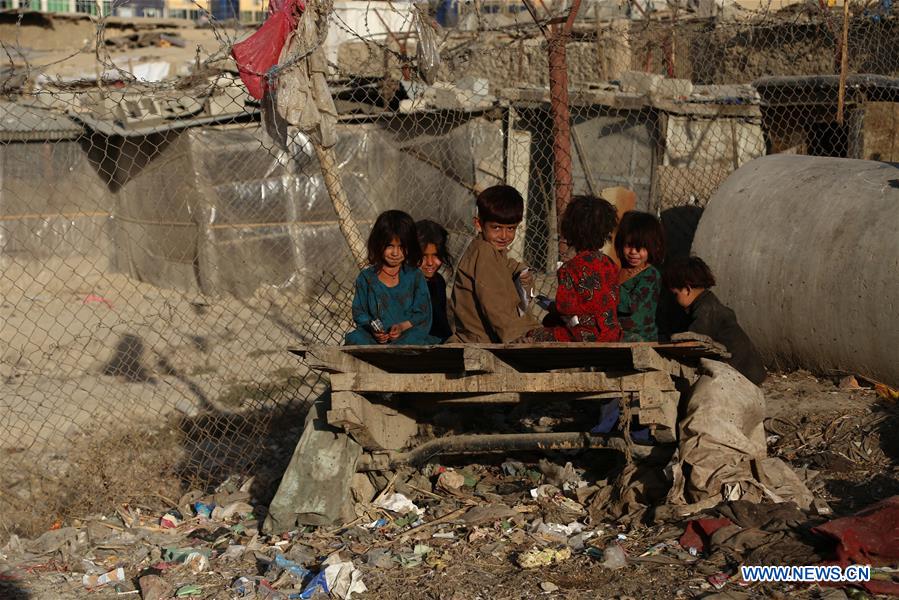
(500, 527)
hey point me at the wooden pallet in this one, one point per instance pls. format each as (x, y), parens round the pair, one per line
(374, 387)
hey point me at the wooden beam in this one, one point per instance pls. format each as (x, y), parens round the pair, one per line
(659, 407)
(440, 383)
(479, 360)
(513, 398)
(647, 359)
(331, 359)
(373, 426)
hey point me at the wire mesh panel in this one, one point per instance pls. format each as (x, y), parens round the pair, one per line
(165, 236)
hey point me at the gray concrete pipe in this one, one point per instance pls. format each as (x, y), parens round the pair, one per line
(806, 251)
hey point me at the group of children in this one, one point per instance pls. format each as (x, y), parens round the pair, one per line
(401, 297)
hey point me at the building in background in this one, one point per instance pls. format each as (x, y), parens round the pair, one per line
(246, 11)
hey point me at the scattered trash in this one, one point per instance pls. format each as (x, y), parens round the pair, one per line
(196, 562)
(204, 510)
(697, 533)
(379, 558)
(189, 590)
(450, 481)
(91, 581)
(548, 586)
(298, 571)
(541, 557)
(718, 580)
(400, 504)
(169, 521)
(614, 557)
(439, 516)
(243, 587)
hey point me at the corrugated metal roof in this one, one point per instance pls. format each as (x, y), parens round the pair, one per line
(24, 122)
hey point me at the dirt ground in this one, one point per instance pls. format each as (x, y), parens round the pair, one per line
(847, 435)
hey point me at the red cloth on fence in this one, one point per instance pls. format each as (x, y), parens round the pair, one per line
(261, 51)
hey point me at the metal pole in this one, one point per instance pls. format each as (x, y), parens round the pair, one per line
(561, 116)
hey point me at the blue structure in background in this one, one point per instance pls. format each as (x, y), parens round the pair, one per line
(223, 10)
(448, 13)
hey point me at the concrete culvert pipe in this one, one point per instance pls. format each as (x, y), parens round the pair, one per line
(806, 251)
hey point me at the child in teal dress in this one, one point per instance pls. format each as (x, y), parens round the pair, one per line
(640, 244)
(392, 304)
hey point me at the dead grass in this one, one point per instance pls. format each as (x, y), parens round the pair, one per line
(96, 474)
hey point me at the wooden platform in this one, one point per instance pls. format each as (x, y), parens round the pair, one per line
(377, 391)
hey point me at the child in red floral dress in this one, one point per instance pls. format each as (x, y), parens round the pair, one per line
(586, 305)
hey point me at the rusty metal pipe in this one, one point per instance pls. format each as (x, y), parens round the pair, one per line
(488, 443)
(561, 126)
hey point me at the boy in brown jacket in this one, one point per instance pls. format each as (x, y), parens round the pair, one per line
(485, 300)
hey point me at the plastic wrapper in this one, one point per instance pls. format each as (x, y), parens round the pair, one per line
(427, 51)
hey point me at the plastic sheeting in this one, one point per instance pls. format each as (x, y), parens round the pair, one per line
(228, 216)
(52, 201)
(222, 211)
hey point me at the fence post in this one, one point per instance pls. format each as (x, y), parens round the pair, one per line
(557, 37)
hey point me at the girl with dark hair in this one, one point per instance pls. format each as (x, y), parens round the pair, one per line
(432, 239)
(640, 245)
(392, 304)
(585, 309)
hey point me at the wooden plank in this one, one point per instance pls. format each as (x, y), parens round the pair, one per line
(647, 359)
(332, 359)
(479, 360)
(659, 407)
(511, 397)
(374, 426)
(441, 383)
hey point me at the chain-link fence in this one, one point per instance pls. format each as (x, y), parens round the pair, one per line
(165, 237)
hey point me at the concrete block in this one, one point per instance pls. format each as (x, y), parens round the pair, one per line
(477, 86)
(674, 88)
(636, 82)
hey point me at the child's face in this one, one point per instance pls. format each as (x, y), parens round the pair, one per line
(498, 235)
(430, 262)
(635, 257)
(394, 255)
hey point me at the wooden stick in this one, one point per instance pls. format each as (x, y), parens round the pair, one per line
(844, 63)
(348, 226)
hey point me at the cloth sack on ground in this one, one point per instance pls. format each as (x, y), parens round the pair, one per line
(722, 452)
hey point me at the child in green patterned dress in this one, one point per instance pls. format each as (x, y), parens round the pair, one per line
(640, 244)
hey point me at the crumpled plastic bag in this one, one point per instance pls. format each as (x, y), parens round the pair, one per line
(257, 54)
(427, 50)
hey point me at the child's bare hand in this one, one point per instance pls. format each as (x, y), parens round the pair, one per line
(395, 332)
(526, 278)
(382, 338)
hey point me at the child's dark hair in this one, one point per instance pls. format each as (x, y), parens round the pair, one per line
(687, 271)
(393, 224)
(588, 222)
(500, 204)
(641, 230)
(430, 232)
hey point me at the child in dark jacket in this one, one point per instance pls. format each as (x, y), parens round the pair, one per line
(432, 237)
(689, 279)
